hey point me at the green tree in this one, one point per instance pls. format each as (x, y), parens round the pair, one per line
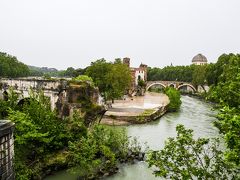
(225, 91)
(45, 142)
(119, 80)
(98, 71)
(175, 99)
(112, 79)
(83, 78)
(199, 76)
(184, 157)
(229, 125)
(100, 151)
(11, 67)
(70, 72)
(171, 73)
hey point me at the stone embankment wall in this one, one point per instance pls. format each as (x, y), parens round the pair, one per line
(149, 115)
(6, 150)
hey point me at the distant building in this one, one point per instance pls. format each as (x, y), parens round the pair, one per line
(137, 73)
(199, 59)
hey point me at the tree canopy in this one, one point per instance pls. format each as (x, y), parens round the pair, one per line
(187, 158)
(184, 157)
(174, 97)
(171, 73)
(112, 79)
(11, 67)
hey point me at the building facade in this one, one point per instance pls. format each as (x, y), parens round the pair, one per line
(199, 59)
(139, 73)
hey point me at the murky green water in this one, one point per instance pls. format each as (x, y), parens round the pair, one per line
(194, 114)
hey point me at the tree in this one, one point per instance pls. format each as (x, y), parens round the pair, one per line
(171, 73)
(112, 79)
(83, 78)
(199, 76)
(229, 125)
(225, 91)
(11, 67)
(119, 80)
(70, 72)
(184, 157)
(98, 72)
(175, 99)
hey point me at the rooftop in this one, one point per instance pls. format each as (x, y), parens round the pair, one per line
(199, 58)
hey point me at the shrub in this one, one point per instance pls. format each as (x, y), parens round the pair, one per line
(174, 97)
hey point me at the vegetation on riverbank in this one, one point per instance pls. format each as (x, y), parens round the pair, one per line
(174, 98)
(112, 79)
(44, 143)
(185, 157)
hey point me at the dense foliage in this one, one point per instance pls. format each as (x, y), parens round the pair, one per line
(44, 143)
(52, 72)
(186, 158)
(227, 79)
(38, 132)
(100, 151)
(171, 73)
(83, 78)
(11, 67)
(112, 79)
(225, 91)
(175, 99)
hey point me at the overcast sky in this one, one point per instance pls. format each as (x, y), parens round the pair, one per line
(64, 33)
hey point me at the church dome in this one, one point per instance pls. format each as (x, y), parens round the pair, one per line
(199, 58)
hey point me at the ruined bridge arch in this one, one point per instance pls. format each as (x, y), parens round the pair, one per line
(22, 87)
(64, 96)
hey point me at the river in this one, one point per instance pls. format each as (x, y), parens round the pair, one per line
(195, 114)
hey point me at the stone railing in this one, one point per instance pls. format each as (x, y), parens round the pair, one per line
(6, 150)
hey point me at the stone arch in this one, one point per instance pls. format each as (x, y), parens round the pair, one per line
(21, 102)
(172, 85)
(156, 83)
(189, 85)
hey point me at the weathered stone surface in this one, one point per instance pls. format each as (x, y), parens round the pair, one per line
(65, 96)
(139, 119)
(6, 150)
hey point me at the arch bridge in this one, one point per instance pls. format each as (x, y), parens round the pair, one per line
(175, 84)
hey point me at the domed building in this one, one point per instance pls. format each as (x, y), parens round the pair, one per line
(199, 59)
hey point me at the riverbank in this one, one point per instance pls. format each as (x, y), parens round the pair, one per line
(136, 110)
(194, 114)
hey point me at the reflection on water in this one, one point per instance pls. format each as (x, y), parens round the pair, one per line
(194, 114)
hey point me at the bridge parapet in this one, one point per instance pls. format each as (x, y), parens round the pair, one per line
(26, 84)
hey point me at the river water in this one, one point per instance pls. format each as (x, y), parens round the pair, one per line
(195, 114)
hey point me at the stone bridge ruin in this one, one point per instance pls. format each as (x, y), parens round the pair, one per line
(64, 96)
